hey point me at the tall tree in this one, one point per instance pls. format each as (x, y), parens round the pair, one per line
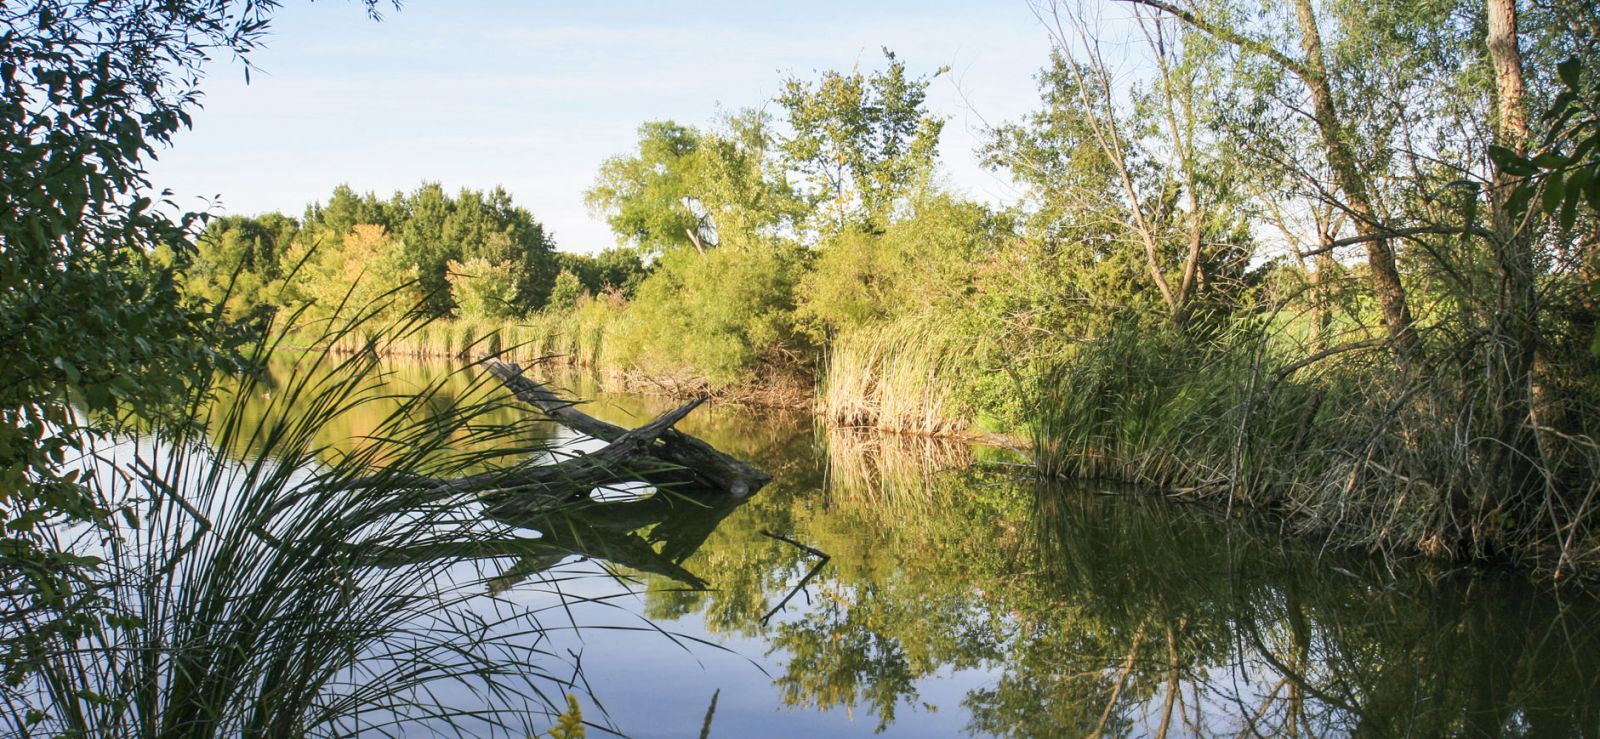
(862, 142)
(647, 197)
(688, 187)
(1146, 171)
(1311, 69)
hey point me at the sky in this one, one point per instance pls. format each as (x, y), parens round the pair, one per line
(534, 95)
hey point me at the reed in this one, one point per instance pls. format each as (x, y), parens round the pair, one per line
(1342, 444)
(266, 594)
(578, 337)
(1142, 408)
(900, 377)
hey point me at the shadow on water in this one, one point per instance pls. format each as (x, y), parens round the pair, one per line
(651, 535)
(1071, 612)
(960, 600)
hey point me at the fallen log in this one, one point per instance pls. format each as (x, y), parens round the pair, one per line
(626, 458)
(655, 454)
(699, 462)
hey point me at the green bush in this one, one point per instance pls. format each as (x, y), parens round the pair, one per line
(486, 290)
(719, 315)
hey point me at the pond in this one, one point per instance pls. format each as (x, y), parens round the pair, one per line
(916, 587)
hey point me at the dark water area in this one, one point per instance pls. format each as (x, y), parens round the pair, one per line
(959, 598)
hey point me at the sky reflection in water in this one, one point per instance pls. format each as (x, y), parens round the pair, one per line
(960, 601)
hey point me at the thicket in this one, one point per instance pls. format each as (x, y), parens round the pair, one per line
(1331, 261)
(474, 254)
(1336, 261)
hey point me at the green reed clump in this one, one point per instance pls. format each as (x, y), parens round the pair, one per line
(901, 377)
(1349, 443)
(1142, 407)
(263, 583)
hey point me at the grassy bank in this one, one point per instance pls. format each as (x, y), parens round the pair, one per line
(1347, 449)
(901, 379)
(594, 337)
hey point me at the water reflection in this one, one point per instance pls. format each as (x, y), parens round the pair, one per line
(1043, 611)
(1091, 612)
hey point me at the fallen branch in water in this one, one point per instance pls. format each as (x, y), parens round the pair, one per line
(655, 454)
(701, 462)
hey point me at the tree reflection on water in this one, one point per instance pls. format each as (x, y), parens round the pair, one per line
(1081, 609)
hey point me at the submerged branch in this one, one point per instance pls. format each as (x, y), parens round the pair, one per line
(655, 453)
(701, 462)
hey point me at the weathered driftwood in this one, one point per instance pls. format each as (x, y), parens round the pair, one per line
(626, 458)
(655, 454)
(696, 462)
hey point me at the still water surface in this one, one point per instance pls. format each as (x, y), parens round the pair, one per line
(957, 599)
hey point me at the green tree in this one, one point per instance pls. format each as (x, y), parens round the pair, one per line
(719, 315)
(1129, 172)
(923, 265)
(485, 289)
(861, 142)
(686, 187)
(646, 198)
(566, 292)
(611, 269)
(94, 327)
(347, 209)
(237, 262)
(437, 228)
(369, 273)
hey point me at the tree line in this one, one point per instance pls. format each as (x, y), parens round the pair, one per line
(474, 253)
(1331, 260)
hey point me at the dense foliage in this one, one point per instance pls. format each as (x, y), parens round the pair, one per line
(1331, 259)
(474, 252)
(94, 327)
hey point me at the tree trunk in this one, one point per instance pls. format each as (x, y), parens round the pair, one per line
(1385, 274)
(1313, 73)
(1515, 351)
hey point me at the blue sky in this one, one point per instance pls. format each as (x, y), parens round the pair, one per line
(534, 95)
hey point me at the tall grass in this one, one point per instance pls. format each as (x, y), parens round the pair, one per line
(267, 594)
(1143, 408)
(1344, 444)
(900, 377)
(580, 337)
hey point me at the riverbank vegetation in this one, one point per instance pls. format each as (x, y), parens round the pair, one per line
(1331, 262)
(183, 553)
(1335, 263)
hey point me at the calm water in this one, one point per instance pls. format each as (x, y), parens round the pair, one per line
(957, 600)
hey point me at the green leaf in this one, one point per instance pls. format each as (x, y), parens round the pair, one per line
(1569, 71)
(1517, 204)
(1551, 160)
(67, 369)
(1511, 161)
(1554, 190)
(1594, 186)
